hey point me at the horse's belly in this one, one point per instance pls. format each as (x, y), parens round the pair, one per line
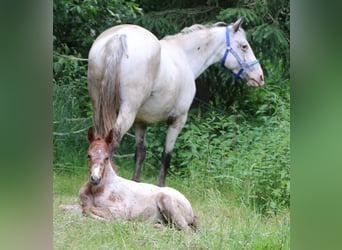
(148, 117)
(155, 109)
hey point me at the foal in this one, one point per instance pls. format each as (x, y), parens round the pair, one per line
(106, 195)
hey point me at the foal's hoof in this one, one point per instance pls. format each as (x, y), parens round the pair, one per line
(158, 226)
(75, 207)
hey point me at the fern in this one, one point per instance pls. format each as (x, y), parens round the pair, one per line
(232, 14)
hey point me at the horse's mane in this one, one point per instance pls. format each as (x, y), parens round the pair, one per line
(195, 27)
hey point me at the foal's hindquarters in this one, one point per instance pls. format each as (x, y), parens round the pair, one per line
(126, 199)
(175, 208)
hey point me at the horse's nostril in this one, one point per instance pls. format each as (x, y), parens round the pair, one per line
(95, 180)
(261, 77)
(92, 179)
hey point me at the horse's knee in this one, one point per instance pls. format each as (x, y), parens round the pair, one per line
(84, 196)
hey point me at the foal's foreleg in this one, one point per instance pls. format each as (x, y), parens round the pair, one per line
(101, 213)
(175, 126)
(140, 153)
(85, 196)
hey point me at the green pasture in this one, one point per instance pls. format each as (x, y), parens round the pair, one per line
(225, 222)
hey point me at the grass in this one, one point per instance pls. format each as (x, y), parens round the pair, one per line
(225, 223)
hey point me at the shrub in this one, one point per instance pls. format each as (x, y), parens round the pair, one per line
(71, 116)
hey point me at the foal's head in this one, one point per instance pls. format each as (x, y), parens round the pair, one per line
(98, 155)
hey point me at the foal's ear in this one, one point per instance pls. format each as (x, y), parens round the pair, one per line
(91, 135)
(109, 137)
(238, 23)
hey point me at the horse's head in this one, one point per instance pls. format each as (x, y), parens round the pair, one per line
(239, 56)
(98, 155)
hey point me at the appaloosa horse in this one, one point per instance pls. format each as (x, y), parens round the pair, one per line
(135, 78)
(108, 196)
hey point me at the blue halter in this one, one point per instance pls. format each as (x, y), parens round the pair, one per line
(233, 52)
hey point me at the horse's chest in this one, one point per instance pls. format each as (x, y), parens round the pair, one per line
(108, 199)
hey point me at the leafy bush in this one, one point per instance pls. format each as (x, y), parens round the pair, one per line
(77, 23)
(71, 117)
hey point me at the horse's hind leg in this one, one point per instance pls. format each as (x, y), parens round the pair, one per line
(175, 126)
(171, 210)
(140, 153)
(123, 123)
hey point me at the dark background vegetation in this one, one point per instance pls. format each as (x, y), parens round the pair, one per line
(235, 135)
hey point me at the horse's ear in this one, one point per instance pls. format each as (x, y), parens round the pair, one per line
(238, 23)
(109, 137)
(91, 135)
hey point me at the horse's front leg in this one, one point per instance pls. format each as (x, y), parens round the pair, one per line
(175, 126)
(100, 213)
(85, 195)
(140, 152)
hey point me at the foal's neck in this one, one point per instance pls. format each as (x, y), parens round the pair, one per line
(109, 174)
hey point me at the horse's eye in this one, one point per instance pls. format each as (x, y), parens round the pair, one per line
(244, 47)
(89, 157)
(106, 159)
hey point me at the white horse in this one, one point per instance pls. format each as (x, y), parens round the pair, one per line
(108, 196)
(135, 78)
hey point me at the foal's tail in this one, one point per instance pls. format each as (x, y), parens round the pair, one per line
(106, 106)
(195, 223)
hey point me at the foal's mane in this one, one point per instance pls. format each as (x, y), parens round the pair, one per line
(193, 28)
(97, 138)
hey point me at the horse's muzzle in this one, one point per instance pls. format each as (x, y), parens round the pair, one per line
(256, 80)
(95, 180)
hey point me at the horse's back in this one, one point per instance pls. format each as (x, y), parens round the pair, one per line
(139, 45)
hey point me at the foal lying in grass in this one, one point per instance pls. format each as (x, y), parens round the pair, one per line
(108, 196)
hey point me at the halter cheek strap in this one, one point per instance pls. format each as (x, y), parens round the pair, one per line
(233, 52)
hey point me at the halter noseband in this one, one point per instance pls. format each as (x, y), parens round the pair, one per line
(233, 52)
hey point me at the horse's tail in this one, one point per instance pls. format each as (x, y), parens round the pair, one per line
(108, 96)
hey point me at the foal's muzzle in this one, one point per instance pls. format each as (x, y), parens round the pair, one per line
(95, 180)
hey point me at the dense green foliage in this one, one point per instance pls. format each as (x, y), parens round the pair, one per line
(235, 136)
(76, 23)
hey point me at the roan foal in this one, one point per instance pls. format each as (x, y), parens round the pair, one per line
(108, 196)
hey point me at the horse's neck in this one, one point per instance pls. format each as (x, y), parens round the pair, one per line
(110, 174)
(202, 48)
